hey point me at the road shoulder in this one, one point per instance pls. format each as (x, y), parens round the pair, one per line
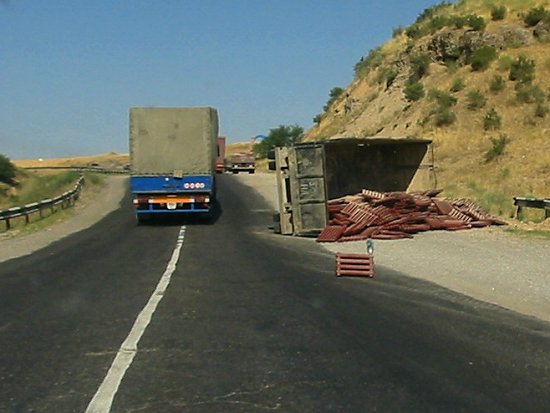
(91, 208)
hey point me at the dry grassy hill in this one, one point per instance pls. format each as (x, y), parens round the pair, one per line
(108, 161)
(491, 132)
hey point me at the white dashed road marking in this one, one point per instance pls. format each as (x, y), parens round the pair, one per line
(103, 399)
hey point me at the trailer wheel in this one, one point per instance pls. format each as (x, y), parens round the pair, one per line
(251, 172)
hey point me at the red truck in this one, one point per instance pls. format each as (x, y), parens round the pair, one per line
(221, 155)
(242, 162)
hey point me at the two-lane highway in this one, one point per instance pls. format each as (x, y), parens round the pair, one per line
(250, 322)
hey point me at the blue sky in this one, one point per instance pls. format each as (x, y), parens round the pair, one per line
(71, 69)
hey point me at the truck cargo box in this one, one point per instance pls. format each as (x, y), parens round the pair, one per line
(164, 141)
(310, 174)
(242, 162)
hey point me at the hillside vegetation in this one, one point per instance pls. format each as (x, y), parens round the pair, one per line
(27, 186)
(474, 77)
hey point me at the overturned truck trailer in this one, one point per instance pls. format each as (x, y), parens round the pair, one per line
(310, 174)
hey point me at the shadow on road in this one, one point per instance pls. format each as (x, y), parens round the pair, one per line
(178, 219)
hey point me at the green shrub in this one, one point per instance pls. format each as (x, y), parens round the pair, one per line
(535, 15)
(458, 85)
(420, 64)
(477, 23)
(497, 147)
(522, 69)
(458, 21)
(498, 12)
(374, 58)
(541, 110)
(444, 100)
(444, 116)
(431, 12)
(390, 77)
(504, 173)
(497, 84)
(505, 63)
(492, 120)
(452, 66)
(334, 94)
(414, 91)
(414, 31)
(386, 75)
(481, 58)
(424, 121)
(317, 118)
(436, 23)
(476, 100)
(7, 170)
(529, 93)
(284, 135)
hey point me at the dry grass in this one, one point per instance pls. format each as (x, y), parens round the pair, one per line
(108, 160)
(232, 148)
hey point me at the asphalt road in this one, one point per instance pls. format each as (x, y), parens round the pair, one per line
(251, 322)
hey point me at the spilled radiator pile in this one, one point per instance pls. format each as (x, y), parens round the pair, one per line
(396, 215)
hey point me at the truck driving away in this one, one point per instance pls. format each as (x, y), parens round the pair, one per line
(242, 162)
(173, 154)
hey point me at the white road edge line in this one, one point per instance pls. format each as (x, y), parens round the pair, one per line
(103, 399)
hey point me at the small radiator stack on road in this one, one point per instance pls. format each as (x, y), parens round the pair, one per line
(355, 264)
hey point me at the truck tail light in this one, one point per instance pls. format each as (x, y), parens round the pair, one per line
(140, 202)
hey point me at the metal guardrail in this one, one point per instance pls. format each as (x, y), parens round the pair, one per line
(65, 200)
(540, 203)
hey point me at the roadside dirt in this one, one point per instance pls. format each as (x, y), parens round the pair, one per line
(485, 264)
